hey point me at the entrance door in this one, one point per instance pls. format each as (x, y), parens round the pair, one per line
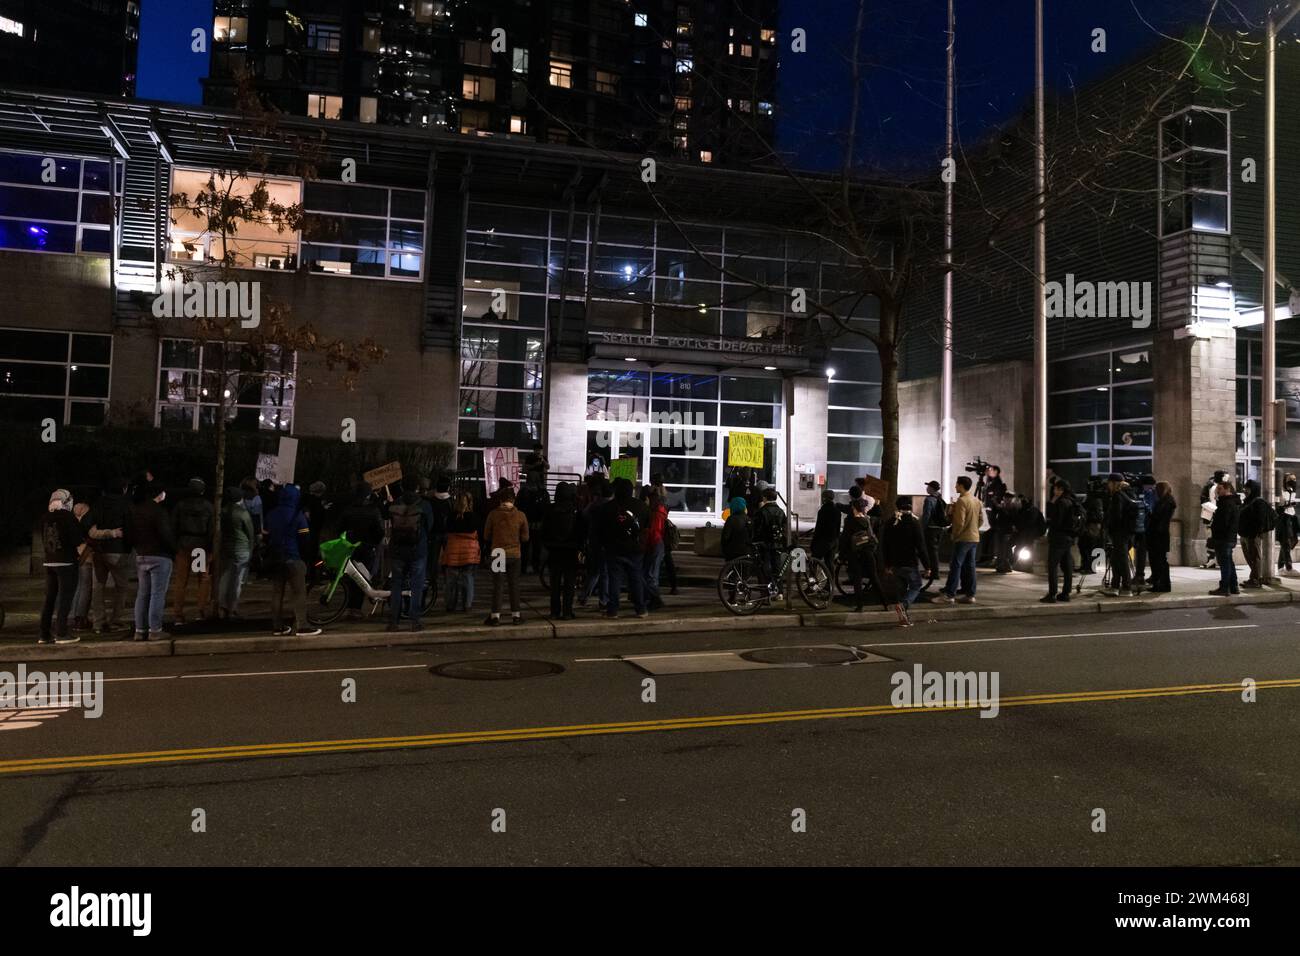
(737, 481)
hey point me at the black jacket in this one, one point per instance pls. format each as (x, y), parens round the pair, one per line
(1161, 515)
(827, 529)
(1121, 508)
(903, 541)
(111, 511)
(61, 533)
(1060, 516)
(612, 540)
(1227, 515)
(1254, 512)
(736, 540)
(149, 531)
(853, 525)
(564, 529)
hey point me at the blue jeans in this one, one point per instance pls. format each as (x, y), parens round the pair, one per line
(620, 567)
(153, 576)
(407, 572)
(650, 562)
(1227, 567)
(962, 566)
(233, 575)
(909, 585)
(460, 587)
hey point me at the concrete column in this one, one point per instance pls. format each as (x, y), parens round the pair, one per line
(808, 444)
(1195, 416)
(566, 437)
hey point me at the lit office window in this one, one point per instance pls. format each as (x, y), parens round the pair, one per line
(324, 106)
(10, 26)
(324, 37)
(641, 20)
(264, 244)
(479, 88)
(369, 231)
(230, 30)
(706, 155)
(519, 60)
(256, 386)
(518, 124)
(369, 111)
(475, 53)
(606, 82)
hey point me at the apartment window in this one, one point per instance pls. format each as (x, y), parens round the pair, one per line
(746, 106)
(731, 49)
(369, 231)
(746, 49)
(639, 19)
(475, 53)
(519, 60)
(261, 244)
(1194, 171)
(764, 108)
(255, 385)
(684, 29)
(370, 37)
(475, 121)
(561, 74)
(682, 104)
(518, 124)
(229, 30)
(58, 375)
(480, 88)
(324, 106)
(72, 214)
(767, 36)
(706, 155)
(685, 65)
(369, 111)
(324, 37)
(10, 26)
(606, 82)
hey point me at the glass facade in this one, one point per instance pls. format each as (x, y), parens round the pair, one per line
(1194, 165)
(1250, 396)
(58, 375)
(57, 204)
(1099, 414)
(854, 435)
(258, 385)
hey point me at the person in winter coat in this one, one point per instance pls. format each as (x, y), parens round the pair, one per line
(564, 535)
(506, 530)
(1223, 531)
(622, 521)
(1253, 524)
(410, 520)
(1061, 516)
(1286, 522)
(85, 568)
(460, 553)
(193, 522)
(149, 534)
(64, 541)
(736, 538)
(826, 532)
(109, 517)
(1158, 536)
(934, 518)
(597, 569)
(903, 546)
(237, 541)
(363, 523)
(1121, 516)
(857, 549)
(287, 531)
(652, 555)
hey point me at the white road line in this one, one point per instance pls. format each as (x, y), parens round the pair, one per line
(1045, 637)
(324, 670)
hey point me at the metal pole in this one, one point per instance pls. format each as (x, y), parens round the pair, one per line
(1040, 272)
(945, 380)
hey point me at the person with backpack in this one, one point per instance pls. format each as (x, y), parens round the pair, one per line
(1158, 537)
(286, 531)
(504, 535)
(460, 554)
(737, 536)
(441, 504)
(65, 541)
(934, 520)
(410, 522)
(621, 522)
(826, 532)
(1255, 520)
(237, 541)
(857, 549)
(769, 536)
(193, 520)
(564, 534)
(1121, 519)
(1224, 527)
(1065, 521)
(1146, 500)
(149, 533)
(903, 546)
(108, 515)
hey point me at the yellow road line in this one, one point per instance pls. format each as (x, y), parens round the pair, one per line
(305, 748)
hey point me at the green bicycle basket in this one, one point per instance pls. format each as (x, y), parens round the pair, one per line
(335, 553)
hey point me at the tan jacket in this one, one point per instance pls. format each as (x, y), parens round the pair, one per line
(965, 516)
(506, 528)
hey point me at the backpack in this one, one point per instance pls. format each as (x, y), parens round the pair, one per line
(405, 520)
(193, 521)
(627, 530)
(773, 526)
(1270, 518)
(1078, 519)
(672, 537)
(1140, 515)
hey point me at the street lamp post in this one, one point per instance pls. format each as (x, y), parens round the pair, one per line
(1268, 456)
(946, 436)
(1040, 272)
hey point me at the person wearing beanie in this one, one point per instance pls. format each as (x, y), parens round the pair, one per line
(64, 541)
(194, 520)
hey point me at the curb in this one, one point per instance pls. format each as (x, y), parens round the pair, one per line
(196, 646)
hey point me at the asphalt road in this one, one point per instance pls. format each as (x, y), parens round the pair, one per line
(1137, 714)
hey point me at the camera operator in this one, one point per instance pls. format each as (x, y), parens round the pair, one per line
(991, 500)
(1121, 521)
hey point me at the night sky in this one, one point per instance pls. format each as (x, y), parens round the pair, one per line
(903, 77)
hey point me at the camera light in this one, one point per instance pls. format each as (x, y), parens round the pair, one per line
(1025, 554)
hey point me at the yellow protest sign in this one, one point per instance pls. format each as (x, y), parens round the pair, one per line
(745, 450)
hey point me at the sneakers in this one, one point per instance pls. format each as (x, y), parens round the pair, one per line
(1047, 599)
(1063, 598)
(68, 639)
(285, 631)
(492, 620)
(310, 632)
(901, 613)
(1219, 592)
(155, 635)
(945, 598)
(45, 639)
(139, 636)
(966, 599)
(642, 613)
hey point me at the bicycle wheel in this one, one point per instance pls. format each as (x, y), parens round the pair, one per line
(324, 607)
(815, 584)
(741, 587)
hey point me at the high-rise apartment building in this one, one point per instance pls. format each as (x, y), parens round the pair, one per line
(86, 46)
(694, 79)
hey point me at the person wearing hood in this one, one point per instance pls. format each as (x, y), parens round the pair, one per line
(237, 538)
(1224, 528)
(826, 532)
(441, 504)
(504, 535)
(564, 533)
(149, 533)
(1252, 524)
(736, 537)
(286, 531)
(622, 522)
(410, 522)
(64, 542)
(193, 520)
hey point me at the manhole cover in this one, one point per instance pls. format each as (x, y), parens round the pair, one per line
(496, 670)
(809, 656)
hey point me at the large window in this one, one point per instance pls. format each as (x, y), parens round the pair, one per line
(363, 230)
(58, 375)
(325, 37)
(854, 433)
(255, 385)
(57, 204)
(1194, 165)
(1250, 422)
(264, 244)
(1099, 414)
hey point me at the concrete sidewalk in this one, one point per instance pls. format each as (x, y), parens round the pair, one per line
(696, 609)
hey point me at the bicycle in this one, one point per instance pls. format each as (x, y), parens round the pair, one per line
(745, 585)
(329, 598)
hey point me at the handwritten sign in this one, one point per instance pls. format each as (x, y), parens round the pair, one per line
(629, 468)
(500, 463)
(745, 450)
(871, 485)
(389, 474)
